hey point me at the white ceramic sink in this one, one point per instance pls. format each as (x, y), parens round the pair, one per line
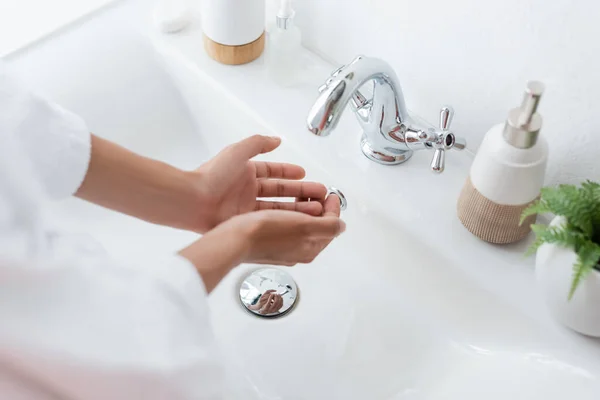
(404, 305)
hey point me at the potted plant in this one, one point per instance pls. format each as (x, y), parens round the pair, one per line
(568, 254)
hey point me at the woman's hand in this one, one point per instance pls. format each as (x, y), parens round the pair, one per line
(270, 302)
(285, 238)
(231, 184)
(265, 237)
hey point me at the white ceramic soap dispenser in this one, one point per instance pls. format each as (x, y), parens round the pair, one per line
(285, 45)
(507, 174)
(234, 30)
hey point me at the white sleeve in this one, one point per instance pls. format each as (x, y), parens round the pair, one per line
(56, 140)
(87, 327)
(75, 323)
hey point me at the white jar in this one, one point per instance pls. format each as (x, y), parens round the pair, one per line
(554, 274)
(233, 29)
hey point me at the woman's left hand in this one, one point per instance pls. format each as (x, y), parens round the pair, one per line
(231, 184)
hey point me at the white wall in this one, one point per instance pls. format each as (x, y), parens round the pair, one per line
(477, 55)
(22, 22)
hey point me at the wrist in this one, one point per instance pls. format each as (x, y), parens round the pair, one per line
(199, 215)
(247, 230)
(187, 202)
(219, 251)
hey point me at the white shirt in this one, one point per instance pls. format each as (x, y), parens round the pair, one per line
(74, 322)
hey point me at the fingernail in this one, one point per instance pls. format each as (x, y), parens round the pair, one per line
(276, 138)
(342, 226)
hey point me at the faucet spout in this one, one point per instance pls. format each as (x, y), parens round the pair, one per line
(390, 135)
(344, 85)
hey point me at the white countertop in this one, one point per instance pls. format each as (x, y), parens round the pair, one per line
(23, 22)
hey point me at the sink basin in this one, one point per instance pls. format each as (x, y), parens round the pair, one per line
(367, 327)
(404, 305)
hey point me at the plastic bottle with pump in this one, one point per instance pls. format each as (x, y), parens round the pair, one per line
(285, 46)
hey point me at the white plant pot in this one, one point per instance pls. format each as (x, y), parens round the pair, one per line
(554, 272)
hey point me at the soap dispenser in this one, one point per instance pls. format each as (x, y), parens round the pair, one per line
(233, 30)
(285, 47)
(506, 175)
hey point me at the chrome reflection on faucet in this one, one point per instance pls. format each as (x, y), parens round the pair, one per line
(390, 135)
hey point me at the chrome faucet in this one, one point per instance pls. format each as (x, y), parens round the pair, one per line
(390, 134)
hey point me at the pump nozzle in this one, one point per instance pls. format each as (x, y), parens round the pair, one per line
(285, 9)
(524, 123)
(532, 97)
(285, 15)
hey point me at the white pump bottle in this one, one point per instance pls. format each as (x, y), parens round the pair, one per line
(507, 174)
(285, 46)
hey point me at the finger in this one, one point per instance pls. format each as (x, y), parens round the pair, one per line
(278, 170)
(267, 305)
(271, 304)
(275, 304)
(253, 146)
(265, 296)
(325, 227)
(278, 304)
(332, 206)
(283, 188)
(262, 301)
(311, 208)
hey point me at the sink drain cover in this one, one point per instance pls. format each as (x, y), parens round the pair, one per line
(268, 292)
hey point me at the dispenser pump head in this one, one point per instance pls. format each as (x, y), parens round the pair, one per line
(285, 15)
(524, 123)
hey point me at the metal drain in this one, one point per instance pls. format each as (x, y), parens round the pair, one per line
(268, 292)
(340, 195)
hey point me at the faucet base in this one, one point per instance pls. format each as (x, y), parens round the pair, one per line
(385, 157)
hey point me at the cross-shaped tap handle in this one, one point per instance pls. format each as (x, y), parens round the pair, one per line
(445, 140)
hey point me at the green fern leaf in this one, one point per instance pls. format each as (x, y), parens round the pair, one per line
(539, 240)
(539, 207)
(592, 190)
(581, 232)
(576, 204)
(560, 235)
(588, 257)
(564, 236)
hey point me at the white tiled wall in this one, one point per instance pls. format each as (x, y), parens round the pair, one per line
(477, 55)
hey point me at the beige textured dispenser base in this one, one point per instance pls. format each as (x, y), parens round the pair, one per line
(489, 221)
(234, 55)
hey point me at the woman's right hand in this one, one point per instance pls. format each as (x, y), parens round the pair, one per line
(288, 238)
(264, 237)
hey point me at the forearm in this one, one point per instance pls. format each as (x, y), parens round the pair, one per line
(217, 252)
(132, 184)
